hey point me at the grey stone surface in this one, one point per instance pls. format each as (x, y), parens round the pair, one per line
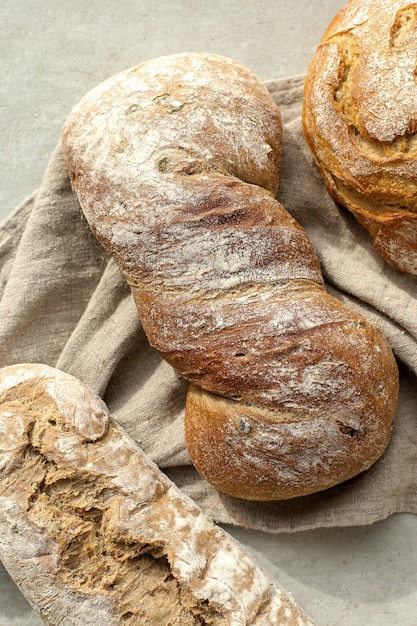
(51, 53)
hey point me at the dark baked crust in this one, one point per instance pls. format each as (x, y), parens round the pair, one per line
(360, 120)
(316, 406)
(227, 285)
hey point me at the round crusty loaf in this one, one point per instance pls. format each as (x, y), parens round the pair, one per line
(94, 533)
(176, 165)
(360, 120)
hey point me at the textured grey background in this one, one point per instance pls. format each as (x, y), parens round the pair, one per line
(51, 53)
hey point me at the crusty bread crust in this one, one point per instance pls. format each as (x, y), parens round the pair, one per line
(176, 164)
(94, 533)
(360, 120)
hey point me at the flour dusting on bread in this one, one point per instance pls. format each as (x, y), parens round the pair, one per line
(92, 531)
(360, 120)
(177, 180)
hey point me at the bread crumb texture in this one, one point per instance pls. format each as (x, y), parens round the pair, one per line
(94, 533)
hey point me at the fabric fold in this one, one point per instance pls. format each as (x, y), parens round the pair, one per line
(64, 303)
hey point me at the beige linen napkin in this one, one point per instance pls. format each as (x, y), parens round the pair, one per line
(65, 303)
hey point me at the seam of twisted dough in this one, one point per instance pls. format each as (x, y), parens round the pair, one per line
(92, 531)
(227, 284)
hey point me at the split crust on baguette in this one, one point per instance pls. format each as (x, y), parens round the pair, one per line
(176, 166)
(360, 120)
(94, 533)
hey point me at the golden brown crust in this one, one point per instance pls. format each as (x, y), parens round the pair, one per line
(227, 284)
(360, 120)
(319, 409)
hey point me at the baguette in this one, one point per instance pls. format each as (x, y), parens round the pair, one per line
(176, 166)
(360, 121)
(94, 533)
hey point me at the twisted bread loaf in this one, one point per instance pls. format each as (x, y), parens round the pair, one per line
(94, 533)
(176, 164)
(360, 120)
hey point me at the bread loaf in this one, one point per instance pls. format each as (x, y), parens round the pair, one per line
(176, 166)
(94, 533)
(360, 120)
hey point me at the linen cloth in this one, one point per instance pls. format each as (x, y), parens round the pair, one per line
(65, 303)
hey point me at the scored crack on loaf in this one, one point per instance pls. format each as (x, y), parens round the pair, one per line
(94, 533)
(360, 120)
(176, 166)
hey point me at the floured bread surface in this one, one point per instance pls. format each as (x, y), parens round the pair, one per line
(176, 165)
(92, 531)
(360, 120)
